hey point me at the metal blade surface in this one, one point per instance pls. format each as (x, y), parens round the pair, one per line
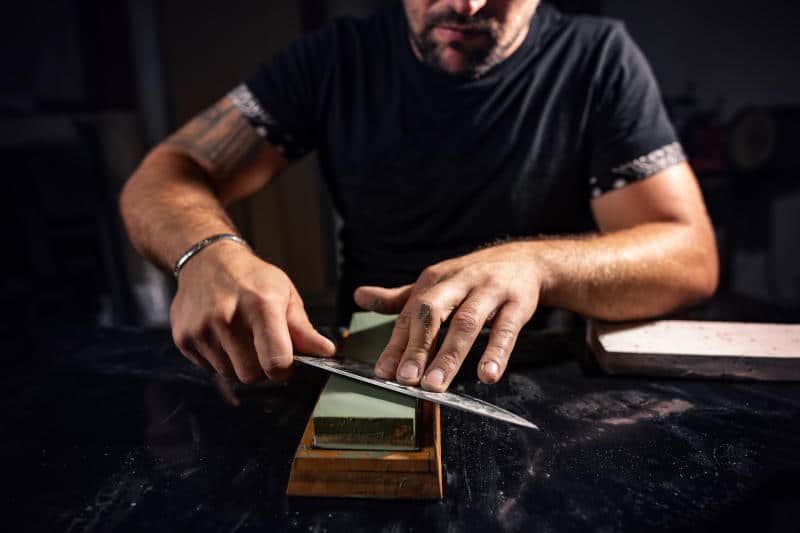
(364, 372)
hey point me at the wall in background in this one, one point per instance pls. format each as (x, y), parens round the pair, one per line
(736, 52)
(208, 48)
(728, 56)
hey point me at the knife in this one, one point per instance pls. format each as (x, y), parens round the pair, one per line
(365, 372)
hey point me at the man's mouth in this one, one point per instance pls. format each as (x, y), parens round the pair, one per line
(456, 32)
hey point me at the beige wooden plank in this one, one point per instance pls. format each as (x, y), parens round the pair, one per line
(702, 338)
(719, 350)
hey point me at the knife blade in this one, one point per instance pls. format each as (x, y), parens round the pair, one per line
(364, 372)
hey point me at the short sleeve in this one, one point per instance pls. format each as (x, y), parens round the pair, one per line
(632, 136)
(281, 99)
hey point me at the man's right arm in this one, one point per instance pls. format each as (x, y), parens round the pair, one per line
(177, 195)
(232, 312)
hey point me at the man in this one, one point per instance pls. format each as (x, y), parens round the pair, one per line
(442, 126)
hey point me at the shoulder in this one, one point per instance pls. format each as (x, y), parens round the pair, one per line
(350, 34)
(585, 32)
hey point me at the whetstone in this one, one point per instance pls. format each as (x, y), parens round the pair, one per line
(351, 415)
(372, 473)
(722, 350)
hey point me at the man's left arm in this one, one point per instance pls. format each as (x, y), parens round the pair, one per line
(655, 252)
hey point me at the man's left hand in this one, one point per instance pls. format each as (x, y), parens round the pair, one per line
(498, 285)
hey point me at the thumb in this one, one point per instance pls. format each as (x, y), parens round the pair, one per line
(381, 299)
(305, 339)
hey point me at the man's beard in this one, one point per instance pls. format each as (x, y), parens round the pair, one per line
(477, 61)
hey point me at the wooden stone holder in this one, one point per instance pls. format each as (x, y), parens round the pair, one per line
(372, 474)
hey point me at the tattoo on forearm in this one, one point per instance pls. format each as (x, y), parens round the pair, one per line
(425, 316)
(220, 137)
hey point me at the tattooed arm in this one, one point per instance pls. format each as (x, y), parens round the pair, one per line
(176, 196)
(232, 312)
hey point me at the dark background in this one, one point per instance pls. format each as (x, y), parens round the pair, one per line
(88, 86)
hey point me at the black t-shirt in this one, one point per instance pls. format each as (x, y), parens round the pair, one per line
(423, 166)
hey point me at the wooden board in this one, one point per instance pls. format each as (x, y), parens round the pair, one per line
(372, 474)
(724, 350)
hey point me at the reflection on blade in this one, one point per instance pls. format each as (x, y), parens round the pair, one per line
(365, 372)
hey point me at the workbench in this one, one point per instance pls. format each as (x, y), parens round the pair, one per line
(110, 430)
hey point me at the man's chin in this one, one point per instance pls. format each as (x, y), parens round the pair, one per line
(457, 63)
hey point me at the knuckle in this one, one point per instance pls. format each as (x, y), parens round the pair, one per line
(179, 337)
(430, 275)
(248, 377)
(188, 352)
(449, 361)
(497, 353)
(426, 309)
(197, 332)
(423, 299)
(415, 353)
(393, 350)
(492, 284)
(259, 305)
(218, 321)
(466, 322)
(221, 299)
(422, 345)
(403, 321)
(223, 370)
(276, 361)
(504, 332)
(261, 302)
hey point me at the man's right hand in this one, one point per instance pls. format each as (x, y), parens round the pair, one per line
(241, 316)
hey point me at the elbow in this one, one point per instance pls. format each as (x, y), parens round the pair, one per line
(126, 202)
(711, 278)
(130, 202)
(703, 280)
(137, 191)
(123, 200)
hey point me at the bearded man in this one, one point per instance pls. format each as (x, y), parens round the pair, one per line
(487, 157)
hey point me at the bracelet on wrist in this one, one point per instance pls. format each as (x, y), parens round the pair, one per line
(195, 248)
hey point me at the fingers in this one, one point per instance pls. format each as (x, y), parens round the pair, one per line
(505, 330)
(256, 343)
(306, 339)
(193, 355)
(426, 313)
(236, 339)
(244, 320)
(272, 341)
(382, 300)
(464, 328)
(424, 324)
(386, 365)
(202, 349)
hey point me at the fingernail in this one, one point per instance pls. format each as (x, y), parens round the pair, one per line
(409, 371)
(435, 377)
(331, 347)
(388, 367)
(491, 368)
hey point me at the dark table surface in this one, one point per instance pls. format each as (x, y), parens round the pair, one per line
(113, 431)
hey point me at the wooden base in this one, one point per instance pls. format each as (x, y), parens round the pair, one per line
(372, 474)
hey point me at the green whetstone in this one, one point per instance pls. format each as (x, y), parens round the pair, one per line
(358, 416)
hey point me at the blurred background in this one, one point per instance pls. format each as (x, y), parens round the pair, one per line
(89, 86)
